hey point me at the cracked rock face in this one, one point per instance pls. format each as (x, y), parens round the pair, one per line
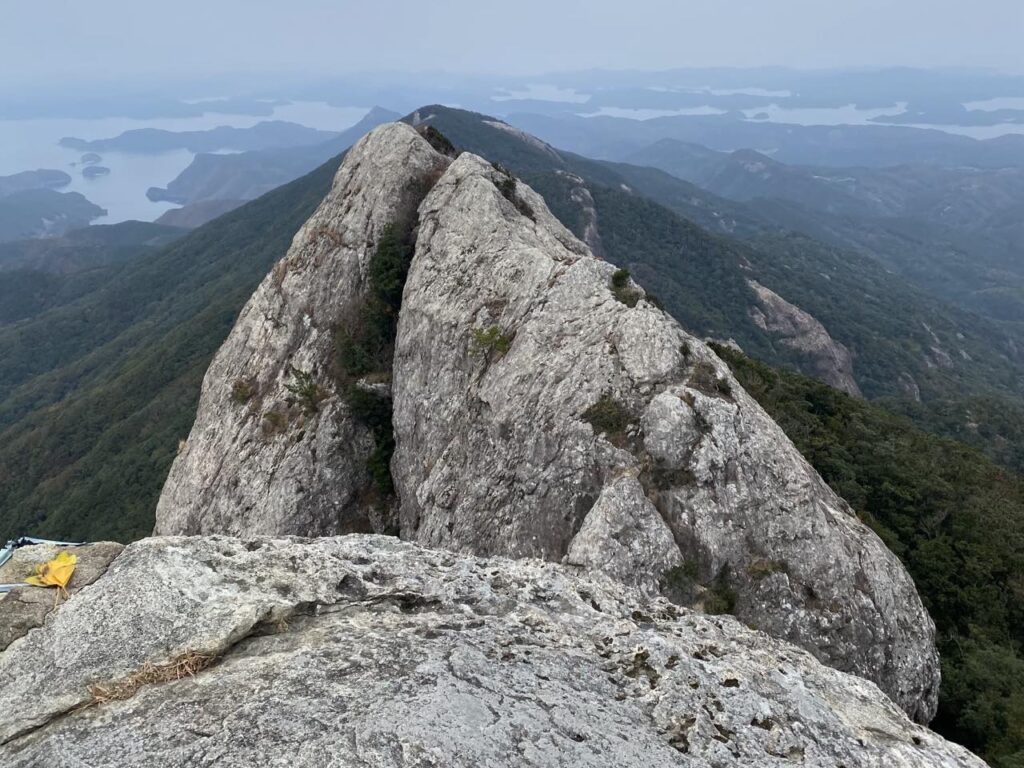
(259, 459)
(543, 408)
(365, 650)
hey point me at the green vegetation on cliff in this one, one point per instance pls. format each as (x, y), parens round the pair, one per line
(955, 519)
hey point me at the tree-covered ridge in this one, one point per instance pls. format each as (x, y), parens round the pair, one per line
(955, 519)
(99, 392)
(992, 424)
(43, 274)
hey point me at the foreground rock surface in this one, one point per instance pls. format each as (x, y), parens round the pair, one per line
(261, 459)
(27, 607)
(543, 407)
(365, 650)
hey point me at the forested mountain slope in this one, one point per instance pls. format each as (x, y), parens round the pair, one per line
(40, 275)
(955, 232)
(954, 518)
(97, 394)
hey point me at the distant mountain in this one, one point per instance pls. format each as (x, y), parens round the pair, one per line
(30, 206)
(745, 175)
(957, 196)
(26, 180)
(44, 212)
(951, 114)
(250, 174)
(270, 134)
(956, 232)
(614, 138)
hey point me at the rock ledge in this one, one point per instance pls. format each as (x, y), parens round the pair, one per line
(364, 650)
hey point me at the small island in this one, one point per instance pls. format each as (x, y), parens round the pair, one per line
(269, 134)
(90, 158)
(26, 180)
(95, 171)
(44, 213)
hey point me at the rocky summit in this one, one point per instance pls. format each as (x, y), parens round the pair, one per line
(272, 450)
(370, 651)
(543, 406)
(437, 357)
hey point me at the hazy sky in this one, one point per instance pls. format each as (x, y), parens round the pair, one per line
(42, 40)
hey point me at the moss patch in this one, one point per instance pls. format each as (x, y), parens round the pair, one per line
(487, 341)
(720, 597)
(704, 378)
(275, 422)
(242, 391)
(623, 290)
(679, 584)
(762, 569)
(608, 416)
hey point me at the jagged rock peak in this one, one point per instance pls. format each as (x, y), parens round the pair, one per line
(274, 448)
(543, 407)
(365, 650)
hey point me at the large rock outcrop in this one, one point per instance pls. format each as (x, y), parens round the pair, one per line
(368, 651)
(829, 360)
(274, 449)
(544, 408)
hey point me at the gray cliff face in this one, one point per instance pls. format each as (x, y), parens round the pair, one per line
(801, 331)
(261, 459)
(541, 411)
(365, 650)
